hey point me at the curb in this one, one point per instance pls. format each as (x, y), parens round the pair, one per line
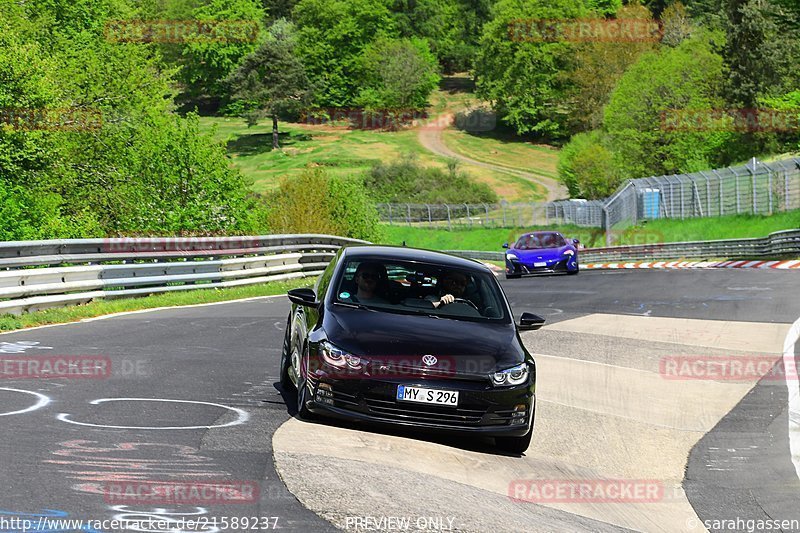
(697, 264)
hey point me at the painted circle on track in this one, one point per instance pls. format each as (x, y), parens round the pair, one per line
(242, 416)
(42, 400)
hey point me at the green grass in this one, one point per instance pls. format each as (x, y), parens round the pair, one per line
(106, 307)
(505, 151)
(340, 150)
(492, 239)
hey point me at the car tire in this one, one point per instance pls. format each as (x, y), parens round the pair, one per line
(573, 272)
(285, 380)
(302, 397)
(515, 445)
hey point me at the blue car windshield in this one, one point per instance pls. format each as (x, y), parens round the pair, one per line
(415, 288)
(540, 241)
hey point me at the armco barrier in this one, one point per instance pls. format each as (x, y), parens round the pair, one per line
(78, 271)
(778, 244)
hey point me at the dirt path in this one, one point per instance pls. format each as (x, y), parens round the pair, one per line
(432, 139)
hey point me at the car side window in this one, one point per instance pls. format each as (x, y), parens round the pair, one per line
(321, 287)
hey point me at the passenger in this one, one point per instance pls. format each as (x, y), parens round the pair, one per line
(370, 279)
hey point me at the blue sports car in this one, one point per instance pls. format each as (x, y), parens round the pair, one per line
(541, 252)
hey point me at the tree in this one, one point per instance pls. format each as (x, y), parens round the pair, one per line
(596, 69)
(523, 79)
(587, 167)
(272, 80)
(753, 52)
(331, 38)
(397, 75)
(687, 77)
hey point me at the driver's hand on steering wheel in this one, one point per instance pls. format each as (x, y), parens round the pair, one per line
(444, 300)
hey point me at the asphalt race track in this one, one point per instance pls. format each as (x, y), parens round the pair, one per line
(717, 451)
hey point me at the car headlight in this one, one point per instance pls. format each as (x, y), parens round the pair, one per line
(511, 256)
(511, 376)
(338, 358)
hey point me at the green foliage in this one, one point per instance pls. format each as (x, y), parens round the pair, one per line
(596, 70)
(397, 74)
(524, 80)
(687, 77)
(452, 27)
(138, 169)
(406, 180)
(332, 35)
(315, 202)
(587, 167)
(271, 80)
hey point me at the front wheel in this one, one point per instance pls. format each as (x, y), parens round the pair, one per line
(302, 395)
(515, 445)
(285, 380)
(573, 272)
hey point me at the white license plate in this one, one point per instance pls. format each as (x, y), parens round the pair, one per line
(420, 395)
(540, 264)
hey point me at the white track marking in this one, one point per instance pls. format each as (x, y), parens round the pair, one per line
(123, 313)
(794, 394)
(243, 416)
(43, 400)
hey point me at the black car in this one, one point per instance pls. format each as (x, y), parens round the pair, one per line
(378, 341)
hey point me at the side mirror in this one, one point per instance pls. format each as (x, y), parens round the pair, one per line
(505, 245)
(305, 297)
(530, 322)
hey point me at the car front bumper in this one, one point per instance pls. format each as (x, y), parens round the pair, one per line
(517, 267)
(482, 409)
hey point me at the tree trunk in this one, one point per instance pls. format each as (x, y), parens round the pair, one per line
(275, 145)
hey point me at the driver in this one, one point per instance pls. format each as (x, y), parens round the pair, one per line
(452, 285)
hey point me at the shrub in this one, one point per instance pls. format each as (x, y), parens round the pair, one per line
(406, 180)
(315, 202)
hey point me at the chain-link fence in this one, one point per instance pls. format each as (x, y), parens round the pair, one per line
(502, 215)
(754, 188)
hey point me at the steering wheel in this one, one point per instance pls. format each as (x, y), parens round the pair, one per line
(468, 302)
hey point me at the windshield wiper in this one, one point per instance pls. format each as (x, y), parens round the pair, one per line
(354, 306)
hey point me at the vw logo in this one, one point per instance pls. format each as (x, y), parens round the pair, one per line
(429, 360)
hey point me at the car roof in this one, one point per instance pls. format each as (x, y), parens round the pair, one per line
(541, 233)
(404, 253)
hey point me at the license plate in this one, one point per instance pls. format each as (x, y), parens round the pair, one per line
(540, 264)
(421, 395)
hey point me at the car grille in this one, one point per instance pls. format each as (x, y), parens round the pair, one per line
(424, 413)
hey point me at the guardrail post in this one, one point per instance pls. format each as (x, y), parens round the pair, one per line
(408, 214)
(769, 188)
(503, 208)
(430, 221)
(486, 208)
(449, 223)
(469, 220)
(390, 214)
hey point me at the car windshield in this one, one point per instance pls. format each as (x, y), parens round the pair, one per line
(414, 288)
(540, 240)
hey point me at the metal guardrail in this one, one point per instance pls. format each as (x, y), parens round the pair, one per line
(781, 243)
(78, 271)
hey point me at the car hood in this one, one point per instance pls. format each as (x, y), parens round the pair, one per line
(540, 253)
(469, 347)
